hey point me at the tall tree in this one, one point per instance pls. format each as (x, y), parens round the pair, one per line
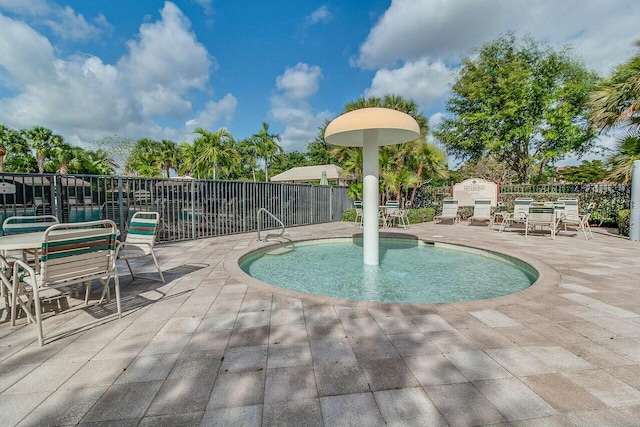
(19, 157)
(145, 159)
(8, 137)
(214, 149)
(402, 166)
(267, 146)
(169, 156)
(521, 101)
(249, 154)
(42, 141)
(615, 103)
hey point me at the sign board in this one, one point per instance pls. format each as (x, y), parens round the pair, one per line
(475, 188)
(7, 188)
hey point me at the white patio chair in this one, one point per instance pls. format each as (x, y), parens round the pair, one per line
(481, 211)
(141, 236)
(71, 254)
(357, 204)
(581, 222)
(396, 214)
(449, 211)
(519, 215)
(500, 213)
(26, 224)
(541, 216)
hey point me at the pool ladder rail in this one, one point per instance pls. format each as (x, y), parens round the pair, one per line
(263, 210)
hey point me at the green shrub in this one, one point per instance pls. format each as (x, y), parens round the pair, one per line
(624, 220)
(349, 215)
(415, 215)
(421, 215)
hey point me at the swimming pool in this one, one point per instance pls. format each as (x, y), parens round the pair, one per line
(410, 270)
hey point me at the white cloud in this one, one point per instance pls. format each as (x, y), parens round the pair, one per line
(299, 82)
(449, 29)
(213, 112)
(320, 15)
(83, 98)
(64, 22)
(31, 7)
(206, 5)
(423, 81)
(67, 24)
(291, 106)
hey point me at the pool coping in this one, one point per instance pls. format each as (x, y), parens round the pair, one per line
(548, 277)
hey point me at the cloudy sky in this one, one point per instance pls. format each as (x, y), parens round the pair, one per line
(159, 69)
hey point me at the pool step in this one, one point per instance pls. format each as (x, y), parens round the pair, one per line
(281, 250)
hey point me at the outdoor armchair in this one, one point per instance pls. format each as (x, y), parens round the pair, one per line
(140, 239)
(357, 204)
(71, 254)
(581, 222)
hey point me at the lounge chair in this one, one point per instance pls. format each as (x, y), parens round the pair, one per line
(449, 211)
(481, 211)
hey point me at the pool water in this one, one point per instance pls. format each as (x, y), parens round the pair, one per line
(409, 271)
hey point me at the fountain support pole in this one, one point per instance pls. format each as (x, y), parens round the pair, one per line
(370, 236)
(369, 128)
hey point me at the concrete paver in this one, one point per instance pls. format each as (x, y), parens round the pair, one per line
(215, 347)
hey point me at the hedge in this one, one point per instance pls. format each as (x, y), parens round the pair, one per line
(624, 222)
(415, 215)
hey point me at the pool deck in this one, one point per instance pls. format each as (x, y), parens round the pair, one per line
(215, 347)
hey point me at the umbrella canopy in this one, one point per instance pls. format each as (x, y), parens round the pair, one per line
(309, 174)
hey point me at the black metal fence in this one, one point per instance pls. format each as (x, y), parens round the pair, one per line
(189, 208)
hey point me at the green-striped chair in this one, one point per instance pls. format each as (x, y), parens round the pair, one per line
(140, 239)
(19, 224)
(70, 254)
(27, 224)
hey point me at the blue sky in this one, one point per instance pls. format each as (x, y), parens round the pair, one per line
(159, 69)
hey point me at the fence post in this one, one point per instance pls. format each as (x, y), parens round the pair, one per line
(121, 207)
(634, 229)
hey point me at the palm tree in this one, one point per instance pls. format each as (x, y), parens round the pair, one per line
(615, 103)
(169, 155)
(621, 164)
(42, 140)
(267, 147)
(7, 137)
(62, 155)
(188, 159)
(249, 155)
(421, 160)
(213, 149)
(145, 159)
(100, 163)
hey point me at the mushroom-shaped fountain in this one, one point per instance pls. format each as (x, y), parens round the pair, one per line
(370, 128)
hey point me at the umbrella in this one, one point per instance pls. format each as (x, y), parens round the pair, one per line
(323, 180)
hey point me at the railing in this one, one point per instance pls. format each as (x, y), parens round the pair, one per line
(273, 217)
(189, 208)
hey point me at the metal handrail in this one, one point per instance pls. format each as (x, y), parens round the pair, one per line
(273, 217)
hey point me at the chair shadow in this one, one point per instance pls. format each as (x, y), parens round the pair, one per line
(131, 300)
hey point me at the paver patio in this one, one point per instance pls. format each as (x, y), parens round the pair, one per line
(215, 347)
